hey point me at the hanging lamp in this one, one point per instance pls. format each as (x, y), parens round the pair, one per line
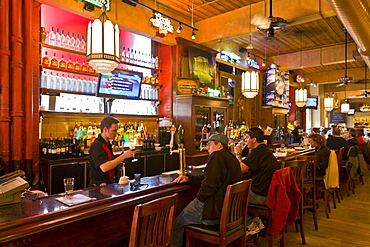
(103, 44)
(300, 96)
(250, 84)
(329, 102)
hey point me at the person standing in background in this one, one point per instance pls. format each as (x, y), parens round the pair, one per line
(102, 162)
(296, 132)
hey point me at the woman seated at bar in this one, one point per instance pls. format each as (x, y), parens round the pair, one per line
(322, 151)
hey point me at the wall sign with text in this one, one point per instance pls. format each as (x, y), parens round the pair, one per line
(186, 85)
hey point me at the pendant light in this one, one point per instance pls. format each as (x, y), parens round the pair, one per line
(103, 44)
(344, 107)
(250, 84)
(329, 102)
(300, 96)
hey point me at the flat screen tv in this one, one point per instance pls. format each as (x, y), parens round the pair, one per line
(351, 112)
(120, 83)
(312, 102)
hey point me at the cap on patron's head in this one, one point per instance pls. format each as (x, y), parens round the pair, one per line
(218, 138)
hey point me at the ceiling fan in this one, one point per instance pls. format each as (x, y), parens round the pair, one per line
(346, 79)
(269, 24)
(364, 93)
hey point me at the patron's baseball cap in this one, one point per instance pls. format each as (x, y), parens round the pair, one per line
(218, 138)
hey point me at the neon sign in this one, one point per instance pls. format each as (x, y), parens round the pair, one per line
(253, 64)
(162, 23)
(100, 3)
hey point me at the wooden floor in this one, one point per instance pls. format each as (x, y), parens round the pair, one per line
(349, 223)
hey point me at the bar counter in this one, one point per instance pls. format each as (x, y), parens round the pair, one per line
(47, 222)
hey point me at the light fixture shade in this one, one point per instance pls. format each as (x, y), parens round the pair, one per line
(365, 108)
(103, 44)
(344, 107)
(329, 103)
(300, 97)
(250, 84)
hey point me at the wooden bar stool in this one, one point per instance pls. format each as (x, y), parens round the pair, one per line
(152, 224)
(232, 221)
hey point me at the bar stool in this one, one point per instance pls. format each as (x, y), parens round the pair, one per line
(152, 224)
(232, 221)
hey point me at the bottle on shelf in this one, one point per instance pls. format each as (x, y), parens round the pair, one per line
(70, 64)
(84, 67)
(57, 38)
(77, 66)
(45, 60)
(62, 63)
(67, 41)
(68, 83)
(63, 83)
(54, 62)
(83, 44)
(72, 42)
(128, 55)
(123, 54)
(57, 82)
(44, 79)
(73, 84)
(51, 37)
(132, 56)
(156, 62)
(62, 40)
(50, 81)
(78, 43)
(79, 85)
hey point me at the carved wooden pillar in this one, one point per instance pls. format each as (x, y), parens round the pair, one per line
(16, 68)
(4, 86)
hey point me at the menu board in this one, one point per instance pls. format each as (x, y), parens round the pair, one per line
(338, 117)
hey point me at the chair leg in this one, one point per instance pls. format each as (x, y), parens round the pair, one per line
(326, 204)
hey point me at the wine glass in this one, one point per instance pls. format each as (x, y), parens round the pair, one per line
(132, 147)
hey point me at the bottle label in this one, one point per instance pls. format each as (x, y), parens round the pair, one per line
(62, 64)
(45, 61)
(84, 68)
(77, 67)
(91, 70)
(54, 63)
(70, 66)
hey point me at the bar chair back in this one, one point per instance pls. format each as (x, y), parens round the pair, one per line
(152, 224)
(232, 221)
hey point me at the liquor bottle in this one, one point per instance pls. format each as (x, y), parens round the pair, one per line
(145, 143)
(45, 60)
(85, 86)
(77, 66)
(67, 41)
(78, 43)
(90, 70)
(44, 79)
(73, 84)
(156, 62)
(63, 83)
(72, 42)
(62, 63)
(62, 40)
(70, 64)
(132, 56)
(138, 58)
(51, 37)
(79, 85)
(84, 67)
(62, 148)
(54, 62)
(57, 149)
(83, 44)
(57, 38)
(128, 55)
(68, 83)
(50, 81)
(123, 55)
(57, 82)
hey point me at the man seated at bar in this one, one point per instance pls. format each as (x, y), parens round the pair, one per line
(102, 162)
(322, 152)
(259, 165)
(352, 134)
(335, 142)
(222, 170)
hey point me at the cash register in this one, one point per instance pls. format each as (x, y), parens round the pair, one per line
(11, 187)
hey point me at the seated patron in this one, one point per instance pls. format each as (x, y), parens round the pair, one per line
(360, 137)
(322, 152)
(335, 142)
(352, 138)
(222, 170)
(259, 165)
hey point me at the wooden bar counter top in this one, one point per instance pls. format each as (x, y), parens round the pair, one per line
(107, 220)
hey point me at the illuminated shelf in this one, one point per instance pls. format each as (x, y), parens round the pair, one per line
(68, 71)
(63, 49)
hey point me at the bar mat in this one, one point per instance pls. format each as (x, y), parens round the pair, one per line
(74, 199)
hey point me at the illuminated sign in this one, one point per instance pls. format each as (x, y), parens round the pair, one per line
(100, 3)
(253, 64)
(162, 23)
(230, 57)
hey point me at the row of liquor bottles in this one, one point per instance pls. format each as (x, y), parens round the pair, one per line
(61, 148)
(69, 65)
(66, 39)
(139, 58)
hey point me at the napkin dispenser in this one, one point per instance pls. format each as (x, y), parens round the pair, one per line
(10, 191)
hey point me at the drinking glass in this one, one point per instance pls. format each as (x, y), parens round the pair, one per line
(68, 185)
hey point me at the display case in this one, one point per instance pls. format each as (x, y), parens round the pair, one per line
(196, 113)
(276, 118)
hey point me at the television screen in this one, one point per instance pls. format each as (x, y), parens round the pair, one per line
(312, 102)
(119, 83)
(351, 112)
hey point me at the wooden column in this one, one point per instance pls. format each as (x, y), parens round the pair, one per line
(16, 65)
(4, 85)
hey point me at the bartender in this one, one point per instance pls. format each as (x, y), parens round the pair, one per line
(103, 165)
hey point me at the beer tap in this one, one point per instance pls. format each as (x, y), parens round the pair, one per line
(180, 150)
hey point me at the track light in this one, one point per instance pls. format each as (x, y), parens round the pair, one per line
(193, 34)
(179, 29)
